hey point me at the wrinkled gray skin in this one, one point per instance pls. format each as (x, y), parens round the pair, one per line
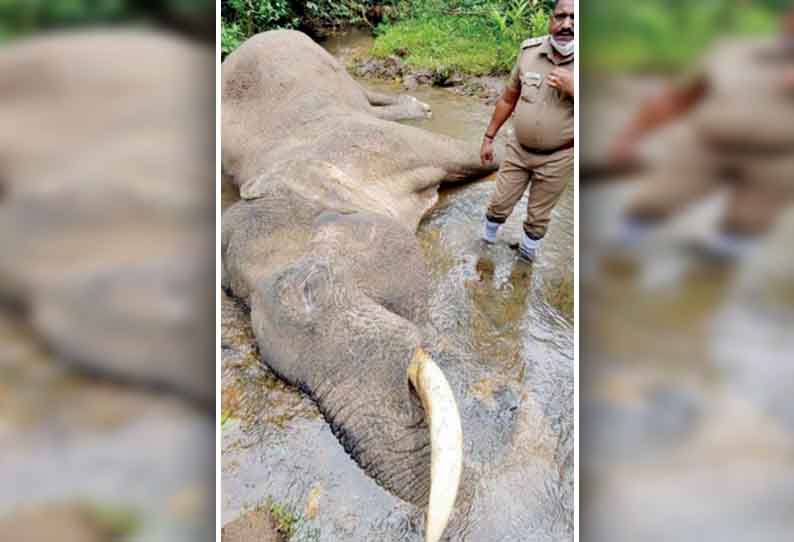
(322, 246)
(105, 203)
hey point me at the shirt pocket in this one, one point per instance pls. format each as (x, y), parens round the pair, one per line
(530, 86)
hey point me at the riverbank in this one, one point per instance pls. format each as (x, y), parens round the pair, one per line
(354, 48)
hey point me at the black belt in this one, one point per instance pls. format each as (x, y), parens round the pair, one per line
(565, 146)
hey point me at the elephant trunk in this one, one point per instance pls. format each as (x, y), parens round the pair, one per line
(446, 441)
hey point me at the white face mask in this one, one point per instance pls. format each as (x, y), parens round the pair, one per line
(565, 49)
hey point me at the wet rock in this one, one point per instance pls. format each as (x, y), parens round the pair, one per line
(255, 526)
(62, 522)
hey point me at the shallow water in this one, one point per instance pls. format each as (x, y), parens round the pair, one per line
(687, 431)
(67, 439)
(506, 342)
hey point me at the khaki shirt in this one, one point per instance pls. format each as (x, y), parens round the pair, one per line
(543, 119)
(745, 105)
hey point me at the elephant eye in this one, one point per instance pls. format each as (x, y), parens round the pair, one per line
(308, 301)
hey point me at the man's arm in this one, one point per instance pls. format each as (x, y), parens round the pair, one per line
(504, 108)
(657, 112)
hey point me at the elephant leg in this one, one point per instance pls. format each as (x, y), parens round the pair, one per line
(380, 98)
(397, 107)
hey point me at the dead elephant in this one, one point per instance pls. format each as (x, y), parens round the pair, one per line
(322, 250)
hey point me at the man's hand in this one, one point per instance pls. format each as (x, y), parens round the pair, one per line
(788, 81)
(562, 80)
(486, 152)
(622, 152)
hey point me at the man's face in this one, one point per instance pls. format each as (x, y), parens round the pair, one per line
(788, 31)
(561, 25)
(788, 24)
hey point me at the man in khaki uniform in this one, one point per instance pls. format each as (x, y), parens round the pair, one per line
(540, 153)
(739, 136)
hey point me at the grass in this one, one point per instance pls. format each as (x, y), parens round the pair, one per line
(227, 420)
(483, 41)
(115, 523)
(451, 43)
(286, 521)
(561, 295)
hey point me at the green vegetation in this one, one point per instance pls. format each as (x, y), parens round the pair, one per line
(561, 294)
(115, 523)
(285, 519)
(665, 35)
(471, 36)
(228, 420)
(21, 17)
(242, 19)
(476, 37)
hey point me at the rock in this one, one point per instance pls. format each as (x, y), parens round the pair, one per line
(66, 523)
(424, 77)
(393, 67)
(255, 526)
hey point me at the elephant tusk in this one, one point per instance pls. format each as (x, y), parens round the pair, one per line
(446, 441)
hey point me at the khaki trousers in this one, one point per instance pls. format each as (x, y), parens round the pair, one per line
(759, 187)
(546, 175)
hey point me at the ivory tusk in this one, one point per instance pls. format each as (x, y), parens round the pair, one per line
(446, 441)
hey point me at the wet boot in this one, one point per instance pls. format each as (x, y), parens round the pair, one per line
(490, 231)
(527, 248)
(726, 248)
(632, 234)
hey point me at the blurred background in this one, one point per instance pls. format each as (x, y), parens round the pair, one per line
(687, 276)
(106, 287)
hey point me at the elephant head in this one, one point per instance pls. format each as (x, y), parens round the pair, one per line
(343, 323)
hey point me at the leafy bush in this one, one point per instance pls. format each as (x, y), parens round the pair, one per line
(664, 35)
(474, 36)
(242, 19)
(19, 17)
(253, 16)
(232, 36)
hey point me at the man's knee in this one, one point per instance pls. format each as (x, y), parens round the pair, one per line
(536, 230)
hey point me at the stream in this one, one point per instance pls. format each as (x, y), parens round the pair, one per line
(687, 417)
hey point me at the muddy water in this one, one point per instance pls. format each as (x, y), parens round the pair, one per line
(505, 340)
(67, 441)
(687, 431)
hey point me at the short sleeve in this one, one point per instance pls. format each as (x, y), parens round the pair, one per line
(694, 76)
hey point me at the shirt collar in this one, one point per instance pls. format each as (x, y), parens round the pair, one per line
(548, 51)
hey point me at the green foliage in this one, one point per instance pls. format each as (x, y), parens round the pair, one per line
(664, 35)
(285, 519)
(20, 17)
(253, 16)
(242, 19)
(473, 36)
(232, 36)
(115, 522)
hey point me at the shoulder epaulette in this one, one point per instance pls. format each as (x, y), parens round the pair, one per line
(533, 42)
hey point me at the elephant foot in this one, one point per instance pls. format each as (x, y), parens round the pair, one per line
(405, 108)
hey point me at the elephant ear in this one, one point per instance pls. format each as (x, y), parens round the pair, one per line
(384, 398)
